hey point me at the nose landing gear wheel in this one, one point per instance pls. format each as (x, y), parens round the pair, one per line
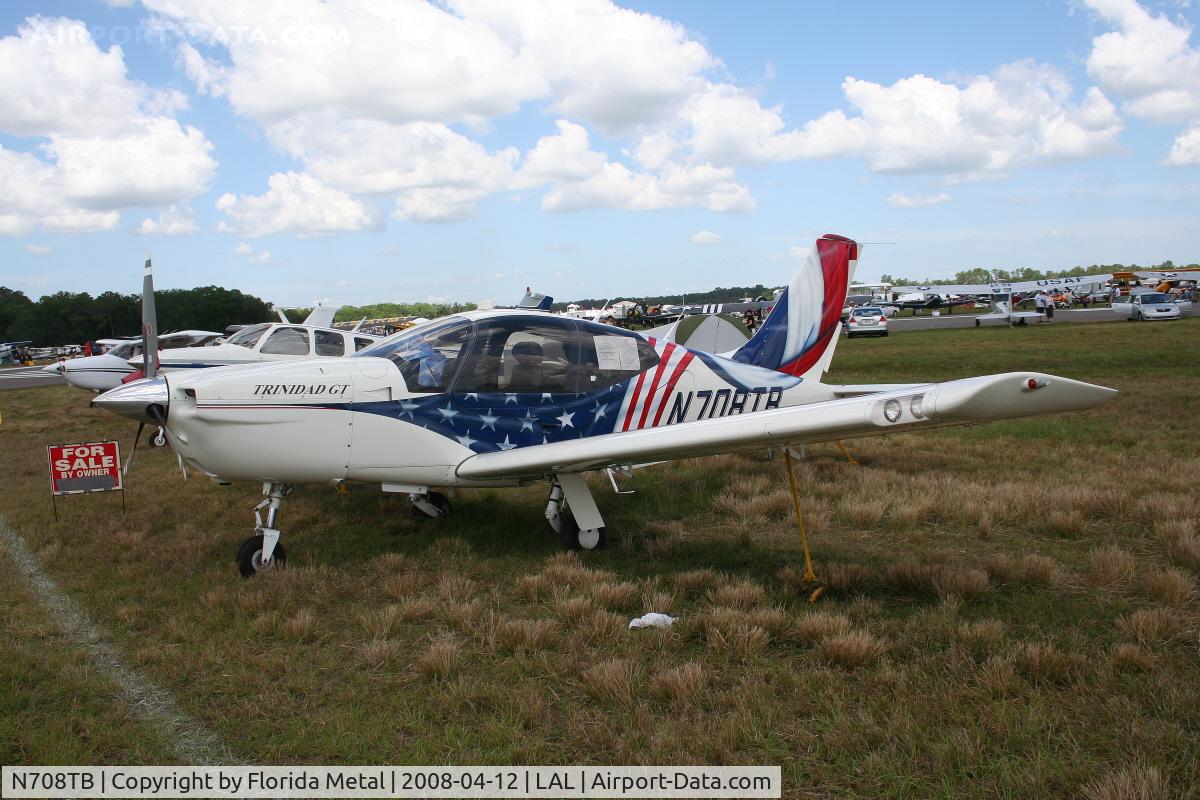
(249, 557)
(159, 439)
(573, 538)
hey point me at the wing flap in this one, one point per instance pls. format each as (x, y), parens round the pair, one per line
(986, 398)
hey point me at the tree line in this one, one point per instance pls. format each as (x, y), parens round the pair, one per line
(74, 318)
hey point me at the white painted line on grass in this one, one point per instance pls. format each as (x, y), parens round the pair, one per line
(190, 740)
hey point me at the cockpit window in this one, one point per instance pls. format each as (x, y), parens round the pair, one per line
(428, 355)
(609, 356)
(127, 350)
(287, 342)
(329, 343)
(522, 354)
(248, 337)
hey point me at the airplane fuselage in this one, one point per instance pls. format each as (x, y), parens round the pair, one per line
(359, 419)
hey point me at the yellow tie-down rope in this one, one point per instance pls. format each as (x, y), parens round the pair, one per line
(809, 576)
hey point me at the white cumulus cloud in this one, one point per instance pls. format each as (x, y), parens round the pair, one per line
(705, 237)
(1150, 63)
(1021, 114)
(109, 143)
(174, 221)
(38, 249)
(296, 203)
(900, 200)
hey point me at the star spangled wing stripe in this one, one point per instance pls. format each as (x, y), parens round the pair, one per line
(649, 399)
(662, 404)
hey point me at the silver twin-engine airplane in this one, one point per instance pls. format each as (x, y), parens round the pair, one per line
(509, 397)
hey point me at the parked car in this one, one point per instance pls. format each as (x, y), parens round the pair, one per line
(1148, 306)
(866, 321)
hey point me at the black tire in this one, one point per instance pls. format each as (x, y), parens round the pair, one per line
(569, 536)
(976, 323)
(155, 441)
(249, 557)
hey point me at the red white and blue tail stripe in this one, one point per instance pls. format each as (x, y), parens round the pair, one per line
(646, 398)
(799, 335)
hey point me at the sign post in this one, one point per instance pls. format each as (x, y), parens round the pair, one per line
(84, 468)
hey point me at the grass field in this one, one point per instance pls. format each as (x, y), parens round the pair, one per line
(1011, 608)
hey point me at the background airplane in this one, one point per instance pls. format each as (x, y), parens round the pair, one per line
(508, 397)
(105, 371)
(8, 349)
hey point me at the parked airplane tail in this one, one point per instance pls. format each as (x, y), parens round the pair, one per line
(801, 332)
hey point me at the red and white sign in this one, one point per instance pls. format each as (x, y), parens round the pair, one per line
(88, 467)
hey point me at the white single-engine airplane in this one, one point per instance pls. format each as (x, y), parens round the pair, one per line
(269, 341)
(509, 397)
(105, 371)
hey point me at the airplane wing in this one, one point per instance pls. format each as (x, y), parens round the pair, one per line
(971, 400)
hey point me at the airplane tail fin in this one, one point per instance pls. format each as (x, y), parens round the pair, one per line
(801, 332)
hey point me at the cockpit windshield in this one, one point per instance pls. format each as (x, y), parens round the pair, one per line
(127, 350)
(248, 337)
(427, 355)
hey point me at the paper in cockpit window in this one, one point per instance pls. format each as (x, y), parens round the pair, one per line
(617, 352)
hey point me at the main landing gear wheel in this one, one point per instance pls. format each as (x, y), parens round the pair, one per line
(976, 323)
(431, 504)
(573, 538)
(249, 557)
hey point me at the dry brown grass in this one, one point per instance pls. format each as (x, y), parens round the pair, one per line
(849, 650)
(940, 578)
(739, 594)
(1150, 625)
(380, 623)
(532, 587)
(400, 586)
(301, 626)
(1110, 566)
(455, 587)
(818, 625)
(610, 682)
(695, 580)
(619, 596)
(1132, 657)
(1186, 550)
(1137, 782)
(998, 676)
(524, 634)
(603, 625)
(465, 616)
(1168, 530)
(738, 639)
(1043, 662)
(984, 631)
(1168, 586)
(1041, 570)
(999, 567)
(662, 602)
(847, 578)
(415, 609)
(440, 659)
(380, 652)
(572, 610)
(681, 684)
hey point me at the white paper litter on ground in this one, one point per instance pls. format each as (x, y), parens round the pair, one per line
(652, 620)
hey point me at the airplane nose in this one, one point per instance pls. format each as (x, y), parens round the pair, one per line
(57, 368)
(146, 400)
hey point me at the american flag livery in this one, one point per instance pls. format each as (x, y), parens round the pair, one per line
(647, 395)
(803, 326)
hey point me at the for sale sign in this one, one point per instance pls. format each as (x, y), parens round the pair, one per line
(88, 467)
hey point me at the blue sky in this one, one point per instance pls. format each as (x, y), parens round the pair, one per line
(392, 151)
